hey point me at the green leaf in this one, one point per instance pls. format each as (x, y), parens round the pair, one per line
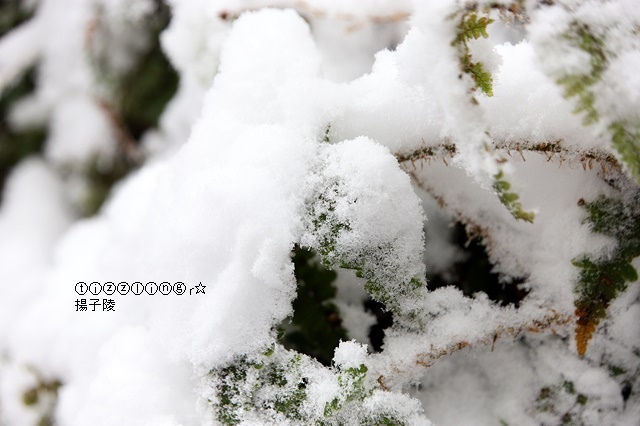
(626, 140)
(473, 28)
(315, 328)
(601, 280)
(510, 199)
(579, 85)
(327, 134)
(12, 14)
(17, 145)
(483, 78)
(628, 272)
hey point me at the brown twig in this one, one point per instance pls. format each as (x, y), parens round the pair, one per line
(428, 358)
(473, 229)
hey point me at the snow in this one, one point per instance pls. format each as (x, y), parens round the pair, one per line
(370, 225)
(73, 142)
(289, 127)
(34, 215)
(623, 101)
(538, 112)
(350, 355)
(18, 51)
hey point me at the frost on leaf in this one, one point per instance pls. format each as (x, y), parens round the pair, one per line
(563, 401)
(362, 214)
(273, 381)
(284, 387)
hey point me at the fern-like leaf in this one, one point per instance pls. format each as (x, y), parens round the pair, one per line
(473, 28)
(626, 140)
(510, 199)
(602, 280)
(482, 77)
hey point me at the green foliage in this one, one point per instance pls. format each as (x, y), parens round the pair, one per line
(351, 383)
(43, 390)
(602, 280)
(140, 95)
(327, 134)
(272, 384)
(322, 213)
(17, 145)
(145, 90)
(229, 390)
(46, 420)
(482, 77)
(369, 263)
(387, 421)
(620, 220)
(12, 14)
(586, 40)
(376, 284)
(472, 28)
(562, 401)
(100, 179)
(475, 273)
(616, 371)
(273, 389)
(579, 85)
(626, 378)
(510, 199)
(316, 328)
(625, 136)
(582, 399)
(626, 140)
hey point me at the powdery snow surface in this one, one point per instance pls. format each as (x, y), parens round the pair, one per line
(327, 124)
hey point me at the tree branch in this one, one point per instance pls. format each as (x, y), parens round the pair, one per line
(551, 149)
(305, 8)
(399, 373)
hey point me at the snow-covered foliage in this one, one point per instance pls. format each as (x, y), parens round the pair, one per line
(402, 212)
